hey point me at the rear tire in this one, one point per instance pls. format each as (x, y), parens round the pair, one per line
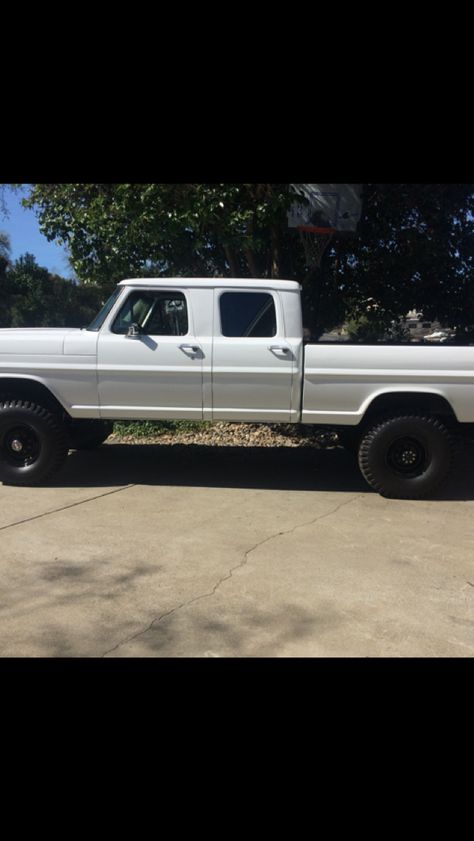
(33, 443)
(406, 457)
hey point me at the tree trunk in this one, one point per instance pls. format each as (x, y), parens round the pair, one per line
(275, 246)
(232, 261)
(251, 262)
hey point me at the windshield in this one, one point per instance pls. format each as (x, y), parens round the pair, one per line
(102, 315)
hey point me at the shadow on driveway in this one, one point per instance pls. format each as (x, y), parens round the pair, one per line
(275, 468)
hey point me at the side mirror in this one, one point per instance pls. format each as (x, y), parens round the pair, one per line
(133, 331)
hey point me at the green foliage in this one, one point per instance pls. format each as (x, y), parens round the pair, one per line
(3, 204)
(414, 247)
(145, 429)
(33, 297)
(364, 328)
(414, 250)
(375, 325)
(372, 323)
(4, 246)
(4, 257)
(113, 231)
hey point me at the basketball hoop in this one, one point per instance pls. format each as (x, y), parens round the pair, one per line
(321, 210)
(315, 241)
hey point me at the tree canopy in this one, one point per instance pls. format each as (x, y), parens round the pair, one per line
(413, 249)
(33, 297)
(4, 246)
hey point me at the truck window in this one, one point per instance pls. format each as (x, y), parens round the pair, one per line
(250, 314)
(98, 321)
(160, 313)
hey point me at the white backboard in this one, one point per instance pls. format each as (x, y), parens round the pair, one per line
(335, 206)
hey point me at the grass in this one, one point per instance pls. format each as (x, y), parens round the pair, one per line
(144, 429)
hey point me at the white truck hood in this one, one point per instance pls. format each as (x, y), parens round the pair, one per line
(31, 340)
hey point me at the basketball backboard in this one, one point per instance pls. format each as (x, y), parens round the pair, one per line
(336, 207)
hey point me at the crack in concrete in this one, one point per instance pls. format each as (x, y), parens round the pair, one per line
(230, 573)
(65, 507)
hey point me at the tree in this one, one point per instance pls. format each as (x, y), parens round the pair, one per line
(414, 246)
(414, 250)
(4, 263)
(33, 297)
(4, 245)
(3, 205)
(194, 228)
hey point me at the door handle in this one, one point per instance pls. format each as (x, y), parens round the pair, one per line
(190, 348)
(279, 349)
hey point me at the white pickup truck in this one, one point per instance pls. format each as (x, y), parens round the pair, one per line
(229, 350)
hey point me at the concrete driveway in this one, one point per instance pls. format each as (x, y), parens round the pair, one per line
(175, 551)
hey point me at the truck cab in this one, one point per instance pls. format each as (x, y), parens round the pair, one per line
(201, 349)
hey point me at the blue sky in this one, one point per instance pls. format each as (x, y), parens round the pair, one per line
(22, 227)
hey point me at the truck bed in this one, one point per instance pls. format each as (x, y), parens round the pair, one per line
(340, 380)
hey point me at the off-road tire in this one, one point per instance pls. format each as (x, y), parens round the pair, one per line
(406, 457)
(33, 443)
(89, 434)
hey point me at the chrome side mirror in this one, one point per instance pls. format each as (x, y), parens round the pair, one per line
(133, 331)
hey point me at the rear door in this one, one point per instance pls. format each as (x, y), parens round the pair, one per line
(252, 362)
(157, 372)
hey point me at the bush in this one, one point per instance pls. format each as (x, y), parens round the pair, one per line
(366, 328)
(375, 327)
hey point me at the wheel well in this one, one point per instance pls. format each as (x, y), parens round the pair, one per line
(23, 389)
(420, 403)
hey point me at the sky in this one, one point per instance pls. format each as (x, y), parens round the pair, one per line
(22, 227)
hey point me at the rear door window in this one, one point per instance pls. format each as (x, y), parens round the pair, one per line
(248, 314)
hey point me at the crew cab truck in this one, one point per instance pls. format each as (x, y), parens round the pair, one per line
(229, 350)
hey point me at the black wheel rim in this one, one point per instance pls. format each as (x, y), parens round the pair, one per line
(20, 446)
(407, 457)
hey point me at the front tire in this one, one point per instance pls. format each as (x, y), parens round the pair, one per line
(406, 457)
(33, 443)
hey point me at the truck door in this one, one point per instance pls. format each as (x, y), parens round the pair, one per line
(252, 361)
(149, 361)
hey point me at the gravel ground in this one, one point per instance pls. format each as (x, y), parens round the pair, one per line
(236, 434)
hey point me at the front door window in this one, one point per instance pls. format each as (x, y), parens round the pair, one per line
(161, 313)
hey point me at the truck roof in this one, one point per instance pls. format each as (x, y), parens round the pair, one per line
(244, 282)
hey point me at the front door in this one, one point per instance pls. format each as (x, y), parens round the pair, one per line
(252, 364)
(149, 361)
